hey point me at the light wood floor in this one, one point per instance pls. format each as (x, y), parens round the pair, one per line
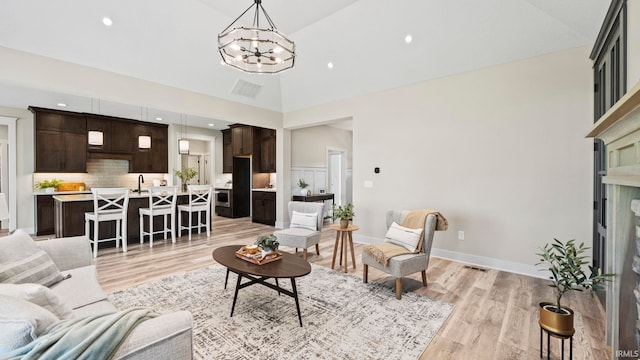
(495, 315)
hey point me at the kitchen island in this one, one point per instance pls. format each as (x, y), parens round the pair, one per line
(69, 216)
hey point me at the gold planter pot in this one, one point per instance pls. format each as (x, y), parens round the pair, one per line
(344, 223)
(556, 323)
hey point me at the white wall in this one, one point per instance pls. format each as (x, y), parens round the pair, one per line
(499, 151)
(633, 46)
(309, 145)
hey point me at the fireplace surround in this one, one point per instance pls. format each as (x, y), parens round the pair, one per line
(619, 128)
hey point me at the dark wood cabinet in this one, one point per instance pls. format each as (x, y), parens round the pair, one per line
(264, 207)
(154, 160)
(227, 152)
(60, 141)
(241, 140)
(116, 134)
(268, 151)
(45, 218)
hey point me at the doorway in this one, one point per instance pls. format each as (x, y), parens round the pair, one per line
(337, 174)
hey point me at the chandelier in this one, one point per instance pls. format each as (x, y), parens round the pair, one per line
(254, 49)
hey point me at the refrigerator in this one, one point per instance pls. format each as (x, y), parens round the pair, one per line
(241, 187)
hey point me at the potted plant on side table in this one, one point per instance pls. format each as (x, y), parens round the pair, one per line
(48, 186)
(269, 244)
(185, 175)
(565, 262)
(303, 187)
(344, 213)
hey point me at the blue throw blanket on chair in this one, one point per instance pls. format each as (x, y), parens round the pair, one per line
(93, 337)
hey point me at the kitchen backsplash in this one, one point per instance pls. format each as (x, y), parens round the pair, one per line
(103, 173)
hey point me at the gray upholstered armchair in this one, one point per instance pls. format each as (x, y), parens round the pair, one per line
(407, 264)
(297, 235)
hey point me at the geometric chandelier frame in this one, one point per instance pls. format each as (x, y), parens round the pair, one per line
(254, 49)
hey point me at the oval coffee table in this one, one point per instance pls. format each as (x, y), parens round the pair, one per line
(289, 267)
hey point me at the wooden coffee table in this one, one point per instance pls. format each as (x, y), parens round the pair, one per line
(290, 267)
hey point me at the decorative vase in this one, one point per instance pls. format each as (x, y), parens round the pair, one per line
(49, 190)
(344, 223)
(184, 187)
(304, 192)
(554, 322)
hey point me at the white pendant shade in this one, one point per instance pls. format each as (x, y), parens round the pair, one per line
(183, 147)
(95, 138)
(144, 142)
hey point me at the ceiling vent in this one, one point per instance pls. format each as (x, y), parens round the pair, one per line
(246, 88)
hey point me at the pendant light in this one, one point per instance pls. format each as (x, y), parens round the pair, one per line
(183, 144)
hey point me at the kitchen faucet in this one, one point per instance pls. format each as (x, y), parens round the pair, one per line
(140, 180)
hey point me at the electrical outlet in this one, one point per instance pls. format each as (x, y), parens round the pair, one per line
(460, 235)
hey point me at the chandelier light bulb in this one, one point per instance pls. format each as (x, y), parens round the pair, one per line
(408, 39)
(235, 47)
(330, 65)
(107, 21)
(277, 50)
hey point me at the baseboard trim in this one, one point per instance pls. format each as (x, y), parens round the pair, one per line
(476, 260)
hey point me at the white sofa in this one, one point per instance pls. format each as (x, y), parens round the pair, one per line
(168, 336)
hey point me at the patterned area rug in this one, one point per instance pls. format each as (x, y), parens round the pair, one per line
(342, 317)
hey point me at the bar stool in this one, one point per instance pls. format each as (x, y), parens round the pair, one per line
(109, 204)
(199, 201)
(162, 201)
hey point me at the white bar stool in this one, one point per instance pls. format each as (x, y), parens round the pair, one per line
(162, 201)
(199, 201)
(109, 204)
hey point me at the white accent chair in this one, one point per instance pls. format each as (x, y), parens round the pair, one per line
(162, 202)
(109, 204)
(301, 237)
(403, 265)
(199, 202)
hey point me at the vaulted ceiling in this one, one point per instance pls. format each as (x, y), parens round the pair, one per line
(173, 42)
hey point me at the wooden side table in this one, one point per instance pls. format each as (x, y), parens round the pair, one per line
(345, 239)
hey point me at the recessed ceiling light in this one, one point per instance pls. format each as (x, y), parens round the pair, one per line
(62, 104)
(107, 21)
(330, 65)
(408, 39)
(159, 118)
(210, 124)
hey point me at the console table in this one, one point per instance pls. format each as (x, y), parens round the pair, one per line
(315, 198)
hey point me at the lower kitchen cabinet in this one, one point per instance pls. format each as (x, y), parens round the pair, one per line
(264, 207)
(45, 218)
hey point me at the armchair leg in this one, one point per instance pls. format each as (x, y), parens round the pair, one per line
(365, 273)
(398, 288)
(424, 277)
(317, 249)
(304, 253)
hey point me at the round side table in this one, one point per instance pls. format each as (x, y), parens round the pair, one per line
(345, 239)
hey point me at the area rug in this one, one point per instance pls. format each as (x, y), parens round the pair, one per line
(342, 317)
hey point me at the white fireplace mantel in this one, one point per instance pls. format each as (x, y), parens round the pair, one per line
(619, 128)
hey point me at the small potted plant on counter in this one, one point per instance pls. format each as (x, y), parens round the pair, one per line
(48, 186)
(565, 261)
(344, 213)
(185, 175)
(303, 187)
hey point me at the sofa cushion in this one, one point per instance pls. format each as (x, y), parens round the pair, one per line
(100, 307)
(39, 295)
(21, 261)
(403, 236)
(21, 322)
(81, 289)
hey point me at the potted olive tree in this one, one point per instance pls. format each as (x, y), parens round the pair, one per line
(344, 213)
(185, 175)
(565, 261)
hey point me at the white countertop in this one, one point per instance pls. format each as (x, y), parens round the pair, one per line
(264, 189)
(42, 192)
(76, 196)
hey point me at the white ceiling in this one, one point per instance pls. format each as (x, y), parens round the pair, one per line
(173, 42)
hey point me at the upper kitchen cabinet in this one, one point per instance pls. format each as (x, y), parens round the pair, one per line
(268, 151)
(154, 159)
(60, 141)
(227, 152)
(116, 135)
(241, 140)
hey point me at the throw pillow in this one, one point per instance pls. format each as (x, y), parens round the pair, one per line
(304, 220)
(21, 322)
(36, 267)
(39, 295)
(403, 236)
(17, 245)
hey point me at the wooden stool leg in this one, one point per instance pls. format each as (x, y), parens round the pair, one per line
(562, 348)
(365, 273)
(571, 348)
(345, 246)
(398, 288)
(353, 255)
(548, 345)
(335, 250)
